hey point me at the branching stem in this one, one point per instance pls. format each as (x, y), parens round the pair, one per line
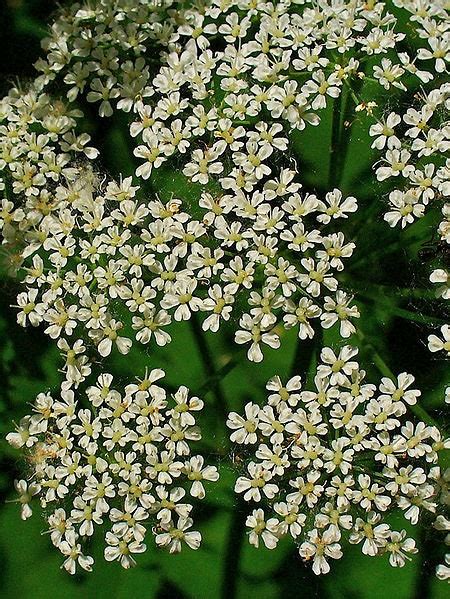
(209, 367)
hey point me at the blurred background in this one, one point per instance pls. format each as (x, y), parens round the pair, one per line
(387, 271)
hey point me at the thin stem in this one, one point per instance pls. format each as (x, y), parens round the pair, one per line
(346, 128)
(233, 551)
(303, 354)
(401, 312)
(219, 375)
(382, 251)
(340, 133)
(399, 292)
(384, 369)
(237, 526)
(333, 170)
(208, 366)
(425, 572)
(300, 347)
(356, 99)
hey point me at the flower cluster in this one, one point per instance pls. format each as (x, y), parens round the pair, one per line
(102, 266)
(104, 50)
(328, 465)
(221, 92)
(91, 248)
(120, 459)
(233, 82)
(39, 147)
(414, 143)
(415, 147)
(234, 65)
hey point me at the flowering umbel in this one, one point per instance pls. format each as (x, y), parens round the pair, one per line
(218, 96)
(326, 466)
(120, 459)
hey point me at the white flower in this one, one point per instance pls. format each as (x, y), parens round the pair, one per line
(372, 532)
(204, 163)
(388, 74)
(259, 528)
(219, 303)
(253, 332)
(397, 161)
(369, 494)
(257, 483)
(405, 208)
(244, 428)
(30, 310)
(339, 310)
(287, 393)
(334, 207)
(442, 277)
(443, 570)
(110, 336)
(196, 472)
(293, 520)
(151, 323)
(398, 390)
(439, 52)
(335, 366)
(436, 343)
(26, 492)
(120, 548)
(72, 549)
(183, 299)
(174, 535)
(385, 132)
(321, 547)
(398, 546)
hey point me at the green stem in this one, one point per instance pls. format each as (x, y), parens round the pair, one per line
(382, 251)
(384, 369)
(304, 354)
(426, 542)
(333, 169)
(340, 133)
(219, 375)
(355, 98)
(347, 126)
(209, 367)
(377, 289)
(233, 551)
(401, 312)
